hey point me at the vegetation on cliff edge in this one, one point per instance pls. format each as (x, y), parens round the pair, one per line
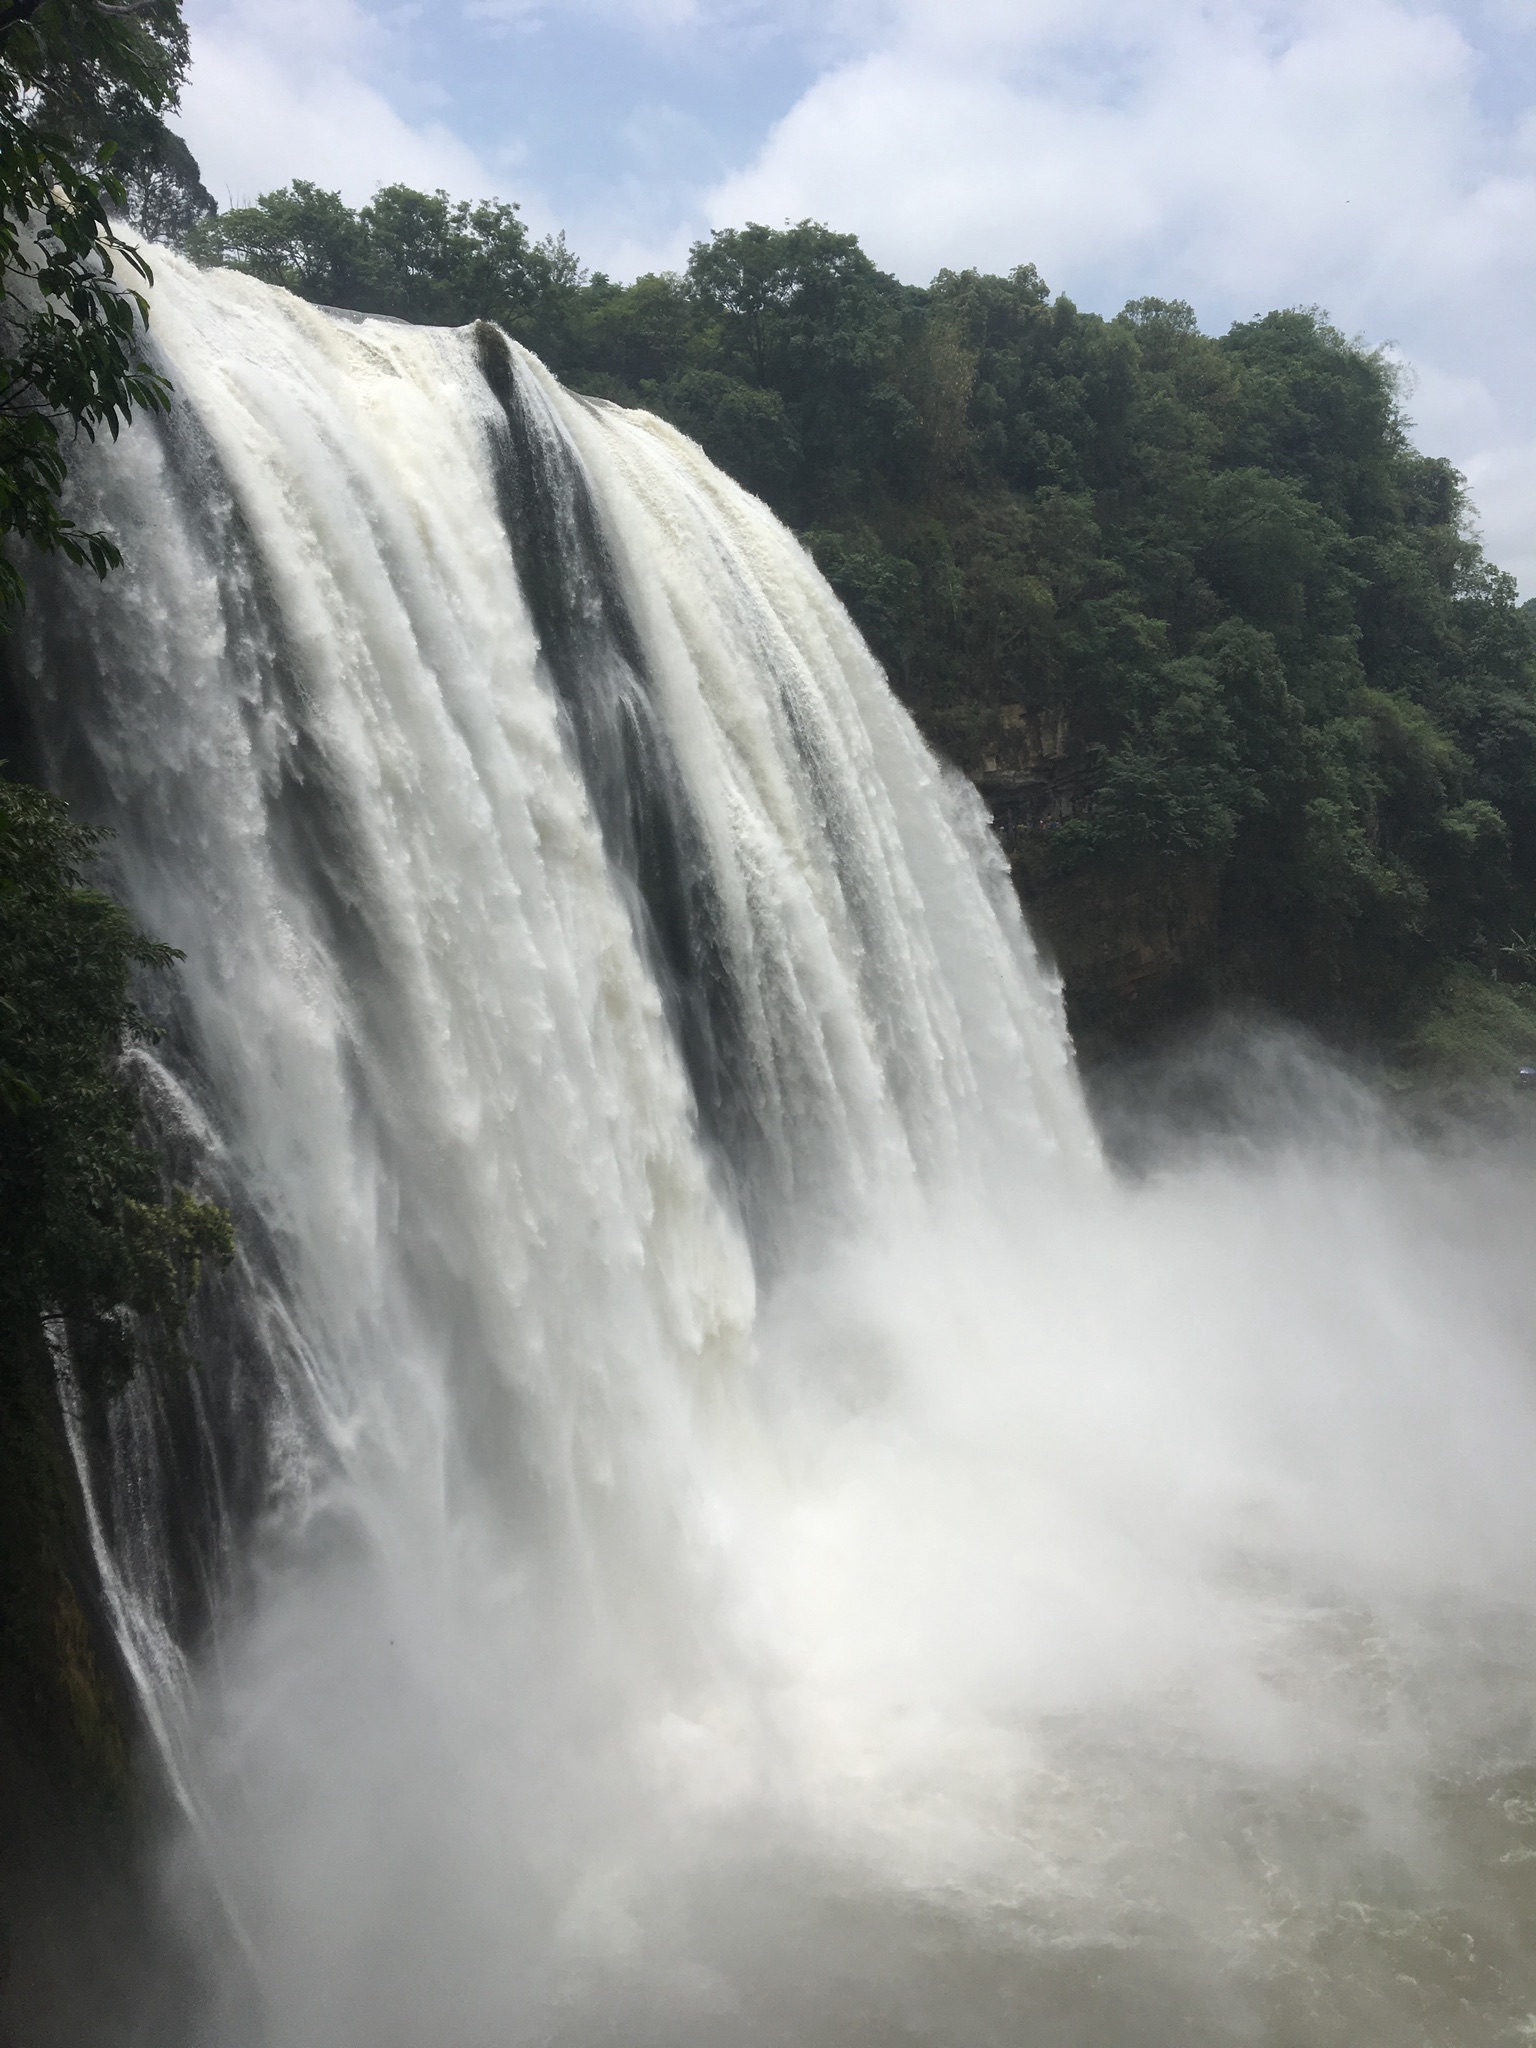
(93, 1252)
(83, 86)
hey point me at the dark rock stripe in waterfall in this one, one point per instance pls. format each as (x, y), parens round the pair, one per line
(652, 835)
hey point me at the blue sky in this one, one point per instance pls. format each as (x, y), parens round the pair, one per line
(1377, 157)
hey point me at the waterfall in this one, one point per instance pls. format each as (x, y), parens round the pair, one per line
(702, 1503)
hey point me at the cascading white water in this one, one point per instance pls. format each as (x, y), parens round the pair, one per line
(749, 1534)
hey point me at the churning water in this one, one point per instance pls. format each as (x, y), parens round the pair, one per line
(706, 1514)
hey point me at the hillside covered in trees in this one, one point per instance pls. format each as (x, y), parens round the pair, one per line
(1255, 717)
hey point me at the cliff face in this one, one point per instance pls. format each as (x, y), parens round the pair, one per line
(1136, 949)
(62, 1696)
(72, 1919)
(1137, 946)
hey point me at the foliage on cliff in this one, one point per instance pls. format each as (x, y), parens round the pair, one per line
(1198, 598)
(83, 87)
(87, 1238)
(92, 1248)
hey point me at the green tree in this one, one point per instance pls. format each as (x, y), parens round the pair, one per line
(72, 313)
(803, 312)
(88, 1234)
(746, 430)
(85, 1232)
(307, 241)
(411, 255)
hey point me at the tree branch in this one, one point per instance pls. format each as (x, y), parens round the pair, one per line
(18, 11)
(23, 10)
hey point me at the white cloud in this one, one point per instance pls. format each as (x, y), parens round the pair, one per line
(659, 19)
(1241, 156)
(655, 15)
(1503, 487)
(283, 91)
(1094, 137)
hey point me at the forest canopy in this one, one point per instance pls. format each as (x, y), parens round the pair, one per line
(83, 88)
